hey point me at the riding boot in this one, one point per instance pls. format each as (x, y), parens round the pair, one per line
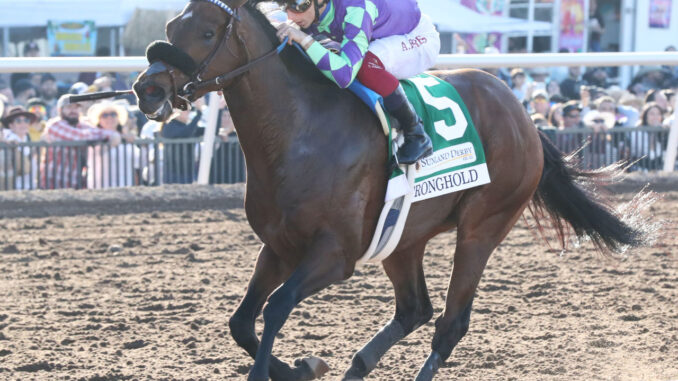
(417, 143)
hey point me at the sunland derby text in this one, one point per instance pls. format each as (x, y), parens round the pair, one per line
(447, 158)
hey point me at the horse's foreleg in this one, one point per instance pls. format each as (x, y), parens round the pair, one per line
(322, 265)
(413, 309)
(269, 273)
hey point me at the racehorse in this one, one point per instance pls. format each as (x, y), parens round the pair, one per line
(316, 178)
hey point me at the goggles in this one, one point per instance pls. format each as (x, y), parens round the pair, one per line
(297, 6)
(38, 110)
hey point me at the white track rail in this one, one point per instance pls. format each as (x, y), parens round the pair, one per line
(445, 61)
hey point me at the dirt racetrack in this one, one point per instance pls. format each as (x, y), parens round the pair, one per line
(139, 284)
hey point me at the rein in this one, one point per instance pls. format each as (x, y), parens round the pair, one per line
(192, 87)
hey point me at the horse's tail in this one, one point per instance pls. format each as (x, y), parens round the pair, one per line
(567, 194)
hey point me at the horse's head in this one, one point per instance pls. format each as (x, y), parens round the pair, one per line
(196, 38)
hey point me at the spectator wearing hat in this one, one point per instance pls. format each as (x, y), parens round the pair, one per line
(599, 121)
(80, 88)
(107, 166)
(539, 103)
(23, 91)
(62, 166)
(24, 166)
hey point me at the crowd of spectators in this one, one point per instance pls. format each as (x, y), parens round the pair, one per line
(35, 107)
(589, 107)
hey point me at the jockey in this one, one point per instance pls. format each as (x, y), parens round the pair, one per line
(381, 41)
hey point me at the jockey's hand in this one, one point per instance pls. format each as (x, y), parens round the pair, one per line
(294, 34)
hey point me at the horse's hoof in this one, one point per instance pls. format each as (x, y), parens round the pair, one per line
(314, 365)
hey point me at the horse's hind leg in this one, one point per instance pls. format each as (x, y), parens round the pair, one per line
(269, 273)
(477, 236)
(413, 309)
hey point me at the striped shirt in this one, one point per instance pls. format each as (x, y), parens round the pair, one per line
(62, 167)
(354, 24)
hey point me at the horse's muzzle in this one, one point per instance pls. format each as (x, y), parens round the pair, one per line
(153, 89)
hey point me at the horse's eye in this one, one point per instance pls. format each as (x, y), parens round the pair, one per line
(208, 35)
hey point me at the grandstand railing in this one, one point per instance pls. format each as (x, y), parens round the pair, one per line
(150, 162)
(97, 165)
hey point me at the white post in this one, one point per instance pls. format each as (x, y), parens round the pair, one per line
(672, 146)
(121, 44)
(5, 41)
(112, 43)
(208, 140)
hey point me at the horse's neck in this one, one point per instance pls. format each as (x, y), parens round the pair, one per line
(263, 111)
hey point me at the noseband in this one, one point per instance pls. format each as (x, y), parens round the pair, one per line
(178, 59)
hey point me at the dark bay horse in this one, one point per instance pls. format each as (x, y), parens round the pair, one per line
(316, 170)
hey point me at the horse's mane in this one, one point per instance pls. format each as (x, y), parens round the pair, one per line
(295, 61)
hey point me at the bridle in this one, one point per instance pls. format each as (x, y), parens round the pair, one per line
(196, 82)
